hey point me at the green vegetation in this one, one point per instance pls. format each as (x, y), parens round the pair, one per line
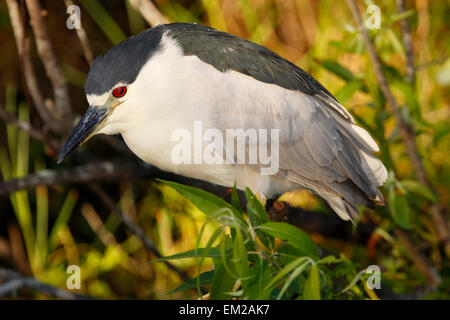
(228, 252)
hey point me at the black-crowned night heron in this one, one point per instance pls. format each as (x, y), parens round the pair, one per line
(176, 79)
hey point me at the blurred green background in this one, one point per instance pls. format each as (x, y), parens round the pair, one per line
(47, 228)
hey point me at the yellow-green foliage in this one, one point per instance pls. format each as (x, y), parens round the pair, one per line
(235, 253)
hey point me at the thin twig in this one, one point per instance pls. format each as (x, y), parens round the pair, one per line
(149, 11)
(60, 107)
(109, 203)
(407, 42)
(103, 171)
(422, 264)
(13, 281)
(431, 63)
(406, 130)
(87, 51)
(33, 132)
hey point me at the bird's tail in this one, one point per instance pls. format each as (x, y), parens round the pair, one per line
(347, 196)
(347, 210)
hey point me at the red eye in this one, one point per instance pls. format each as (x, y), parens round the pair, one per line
(119, 92)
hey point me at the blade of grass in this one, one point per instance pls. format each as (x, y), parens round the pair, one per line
(284, 272)
(291, 278)
(135, 19)
(215, 15)
(104, 21)
(63, 217)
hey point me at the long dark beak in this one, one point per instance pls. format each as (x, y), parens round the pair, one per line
(86, 128)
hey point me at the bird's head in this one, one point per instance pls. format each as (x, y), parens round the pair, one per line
(112, 86)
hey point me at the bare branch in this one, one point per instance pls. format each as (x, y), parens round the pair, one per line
(406, 130)
(88, 55)
(419, 259)
(109, 203)
(97, 225)
(13, 281)
(29, 80)
(149, 11)
(33, 132)
(103, 171)
(60, 107)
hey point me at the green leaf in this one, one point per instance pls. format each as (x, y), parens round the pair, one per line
(330, 260)
(222, 283)
(63, 217)
(209, 246)
(135, 19)
(312, 285)
(338, 69)
(348, 90)
(291, 278)
(204, 278)
(418, 188)
(209, 253)
(262, 276)
(354, 281)
(293, 235)
(240, 257)
(235, 199)
(101, 16)
(402, 15)
(284, 272)
(395, 42)
(206, 202)
(255, 209)
(399, 209)
(257, 216)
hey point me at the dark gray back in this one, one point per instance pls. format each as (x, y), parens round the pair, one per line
(222, 50)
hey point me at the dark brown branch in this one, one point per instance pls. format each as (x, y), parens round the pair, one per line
(419, 259)
(103, 171)
(60, 106)
(13, 281)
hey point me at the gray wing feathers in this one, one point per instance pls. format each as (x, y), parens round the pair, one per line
(320, 148)
(331, 150)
